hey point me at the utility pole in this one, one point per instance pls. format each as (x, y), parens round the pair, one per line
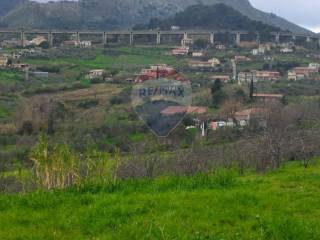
(157, 72)
(234, 70)
(26, 74)
(251, 88)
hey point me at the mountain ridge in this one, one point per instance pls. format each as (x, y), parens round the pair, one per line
(120, 14)
(8, 5)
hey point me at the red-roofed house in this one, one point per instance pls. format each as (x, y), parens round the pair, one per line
(158, 71)
(244, 117)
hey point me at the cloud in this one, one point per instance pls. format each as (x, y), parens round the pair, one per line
(304, 13)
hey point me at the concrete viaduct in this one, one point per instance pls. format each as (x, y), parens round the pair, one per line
(157, 34)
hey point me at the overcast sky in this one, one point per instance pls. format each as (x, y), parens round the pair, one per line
(303, 12)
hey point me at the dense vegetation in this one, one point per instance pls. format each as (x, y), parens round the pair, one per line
(214, 17)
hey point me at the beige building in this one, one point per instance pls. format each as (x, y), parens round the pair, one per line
(267, 97)
(38, 40)
(294, 76)
(185, 42)
(3, 61)
(245, 77)
(240, 58)
(211, 63)
(301, 73)
(214, 62)
(222, 78)
(257, 76)
(266, 75)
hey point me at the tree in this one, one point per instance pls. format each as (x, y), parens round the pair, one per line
(280, 123)
(9, 62)
(251, 90)
(217, 94)
(201, 43)
(27, 128)
(217, 86)
(284, 100)
(44, 45)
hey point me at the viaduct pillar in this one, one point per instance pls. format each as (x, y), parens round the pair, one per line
(105, 38)
(277, 38)
(185, 35)
(294, 37)
(238, 39)
(158, 38)
(131, 38)
(212, 37)
(308, 39)
(22, 38)
(258, 38)
(50, 39)
(78, 36)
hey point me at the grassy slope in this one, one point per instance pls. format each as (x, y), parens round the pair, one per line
(124, 58)
(281, 205)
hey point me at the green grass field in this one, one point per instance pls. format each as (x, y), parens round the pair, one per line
(224, 205)
(113, 58)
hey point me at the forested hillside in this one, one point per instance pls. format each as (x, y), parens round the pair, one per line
(214, 17)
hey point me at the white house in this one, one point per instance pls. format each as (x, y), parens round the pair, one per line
(260, 51)
(175, 28)
(286, 50)
(220, 47)
(85, 44)
(315, 66)
(97, 73)
(197, 54)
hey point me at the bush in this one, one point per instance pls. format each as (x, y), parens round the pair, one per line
(49, 68)
(116, 100)
(27, 128)
(88, 104)
(44, 45)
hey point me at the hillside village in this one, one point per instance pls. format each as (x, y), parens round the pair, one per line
(199, 57)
